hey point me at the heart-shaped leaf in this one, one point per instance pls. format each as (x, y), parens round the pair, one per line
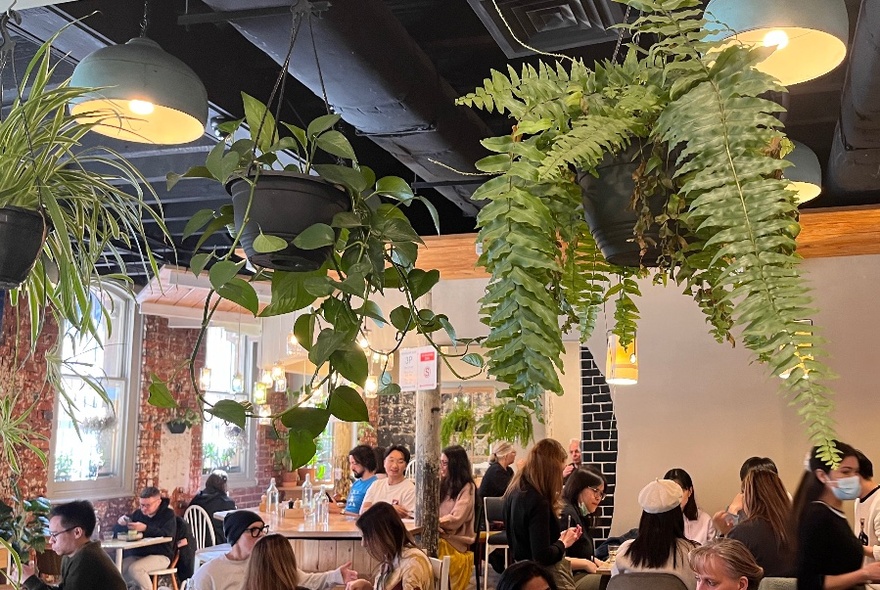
(421, 282)
(395, 187)
(198, 261)
(321, 124)
(348, 177)
(230, 411)
(241, 292)
(304, 330)
(197, 222)
(346, 404)
(351, 363)
(311, 420)
(315, 236)
(328, 342)
(401, 318)
(335, 143)
(473, 359)
(222, 272)
(301, 446)
(265, 244)
(160, 395)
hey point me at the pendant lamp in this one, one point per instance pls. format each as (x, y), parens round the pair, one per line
(805, 177)
(621, 362)
(142, 94)
(809, 36)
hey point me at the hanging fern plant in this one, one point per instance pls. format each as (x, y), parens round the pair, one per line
(710, 149)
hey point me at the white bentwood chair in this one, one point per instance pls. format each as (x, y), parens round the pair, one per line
(441, 572)
(202, 528)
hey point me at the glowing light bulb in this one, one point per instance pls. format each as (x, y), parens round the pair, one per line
(363, 342)
(260, 391)
(371, 386)
(776, 38)
(140, 107)
(238, 383)
(205, 378)
(277, 372)
(266, 378)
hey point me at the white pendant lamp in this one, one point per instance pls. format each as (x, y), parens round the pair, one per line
(805, 177)
(621, 362)
(143, 94)
(810, 36)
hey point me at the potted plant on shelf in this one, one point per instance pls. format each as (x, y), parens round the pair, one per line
(183, 418)
(367, 247)
(704, 146)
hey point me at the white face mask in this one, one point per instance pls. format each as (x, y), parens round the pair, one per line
(583, 509)
(847, 488)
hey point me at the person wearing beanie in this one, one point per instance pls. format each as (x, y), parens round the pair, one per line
(498, 475)
(661, 545)
(243, 529)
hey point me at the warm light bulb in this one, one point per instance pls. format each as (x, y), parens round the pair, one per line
(277, 372)
(371, 386)
(280, 385)
(205, 378)
(259, 393)
(776, 38)
(363, 342)
(265, 414)
(140, 107)
(266, 378)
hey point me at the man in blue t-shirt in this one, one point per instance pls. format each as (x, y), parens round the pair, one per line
(362, 461)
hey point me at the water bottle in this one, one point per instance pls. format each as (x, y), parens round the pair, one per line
(323, 508)
(272, 498)
(308, 498)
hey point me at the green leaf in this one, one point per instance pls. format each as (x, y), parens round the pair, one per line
(311, 420)
(390, 389)
(197, 222)
(401, 318)
(198, 261)
(372, 310)
(231, 411)
(301, 446)
(220, 163)
(264, 244)
(172, 178)
(321, 124)
(315, 236)
(450, 331)
(222, 272)
(473, 359)
(289, 292)
(241, 292)
(335, 143)
(351, 363)
(304, 330)
(328, 342)
(343, 175)
(160, 395)
(421, 282)
(346, 219)
(395, 187)
(346, 404)
(259, 120)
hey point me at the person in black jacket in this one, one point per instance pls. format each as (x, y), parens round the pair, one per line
(531, 510)
(584, 490)
(84, 565)
(498, 475)
(213, 499)
(153, 518)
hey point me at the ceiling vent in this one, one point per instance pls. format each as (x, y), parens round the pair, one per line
(548, 25)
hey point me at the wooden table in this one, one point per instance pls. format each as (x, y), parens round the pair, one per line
(320, 548)
(120, 546)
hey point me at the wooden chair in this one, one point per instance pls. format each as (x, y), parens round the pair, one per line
(170, 571)
(493, 511)
(441, 572)
(644, 580)
(200, 525)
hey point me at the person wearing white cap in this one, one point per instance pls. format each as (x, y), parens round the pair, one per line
(498, 475)
(661, 545)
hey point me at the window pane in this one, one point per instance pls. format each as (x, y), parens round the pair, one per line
(224, 446)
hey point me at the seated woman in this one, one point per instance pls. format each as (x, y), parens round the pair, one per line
(829, 556)
(725, 564)
(764, 528)
(583, 491)
(661, 545)
(498, 475)
(698, 524)
(526, 575)
(402, 565)
(215, 499)
(272, 565)
(457, 499)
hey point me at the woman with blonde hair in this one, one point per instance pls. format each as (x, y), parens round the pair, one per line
(725, 564)
(532, 505)
(402, 565)
(498, 475)
(272, 565)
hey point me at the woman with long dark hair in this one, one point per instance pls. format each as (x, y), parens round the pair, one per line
(584, 490)
(457, 500)
(829, 556)
(764, 527)
(532, 506)
(402, 565)
(698, 525)
(661, 545)
(272, 565)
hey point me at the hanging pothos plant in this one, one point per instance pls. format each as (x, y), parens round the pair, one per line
(710, 150)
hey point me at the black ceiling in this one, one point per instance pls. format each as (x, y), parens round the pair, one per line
(448, 32)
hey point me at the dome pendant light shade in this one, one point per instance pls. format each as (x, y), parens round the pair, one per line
(143, 94)
(810, 36)
(805, 177)
(621, 363)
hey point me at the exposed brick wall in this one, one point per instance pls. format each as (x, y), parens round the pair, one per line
(599, 446)
(397, 420)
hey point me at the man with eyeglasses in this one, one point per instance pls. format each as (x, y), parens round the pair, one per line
(84, 565)
(243, 529)
(153, 518)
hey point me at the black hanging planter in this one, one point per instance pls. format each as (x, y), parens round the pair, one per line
(176, 427)
(610, 217)
(22, 233)
(284, 204)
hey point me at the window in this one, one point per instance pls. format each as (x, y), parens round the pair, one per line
(226, 446)
(97, 458)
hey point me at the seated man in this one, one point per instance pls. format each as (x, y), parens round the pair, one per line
(243, 529)
(84, 565)
(394, 489)
(362, 461)
(153, 518)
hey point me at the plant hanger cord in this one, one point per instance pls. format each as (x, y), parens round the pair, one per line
(145, 20)
(318, 67)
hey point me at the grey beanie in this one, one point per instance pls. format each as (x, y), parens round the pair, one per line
(235, 524)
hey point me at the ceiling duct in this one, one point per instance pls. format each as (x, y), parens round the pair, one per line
(854, 163)
(548, 25)
(379, 80)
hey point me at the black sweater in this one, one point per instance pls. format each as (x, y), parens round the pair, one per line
(531, 526)
(161, 524)
(583, 547)
(90, 568)
(756, 534)
(826, 546)
(214, 500)
(495, 481)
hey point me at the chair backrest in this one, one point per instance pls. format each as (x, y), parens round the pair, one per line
(778, 584)
(200, 524)
(493, 510)
(441, 572)
(410, 471)
(643, 580)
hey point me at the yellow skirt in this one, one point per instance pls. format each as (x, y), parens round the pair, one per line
(461, 565)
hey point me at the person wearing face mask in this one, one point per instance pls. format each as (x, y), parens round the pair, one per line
(829, 555)
(583, 491)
